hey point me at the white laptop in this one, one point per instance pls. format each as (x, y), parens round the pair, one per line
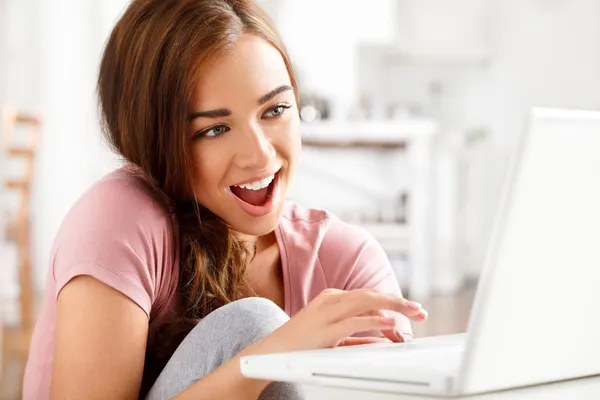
(536, 316)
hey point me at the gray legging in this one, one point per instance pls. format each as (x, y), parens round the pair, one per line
(217, 338)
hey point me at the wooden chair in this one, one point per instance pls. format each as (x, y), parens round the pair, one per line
(15, 341)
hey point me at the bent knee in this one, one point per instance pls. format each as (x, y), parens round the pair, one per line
(253, 318)
(242, 322)
(255, 315)
(255, 307)
(217, 338)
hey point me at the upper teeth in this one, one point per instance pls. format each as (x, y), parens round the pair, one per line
(263, 183)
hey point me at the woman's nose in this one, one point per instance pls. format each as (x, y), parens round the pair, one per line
(255, 150)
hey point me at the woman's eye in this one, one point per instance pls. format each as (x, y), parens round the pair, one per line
(214, 131)
(277, 111)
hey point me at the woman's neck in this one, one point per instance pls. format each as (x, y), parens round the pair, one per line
(264, 242)
(264, 273)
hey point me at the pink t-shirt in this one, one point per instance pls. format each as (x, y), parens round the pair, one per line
(119, 235)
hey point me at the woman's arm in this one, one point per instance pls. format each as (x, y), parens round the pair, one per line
(100, 347)
(101, 338)
(227, 381)
(100, 343)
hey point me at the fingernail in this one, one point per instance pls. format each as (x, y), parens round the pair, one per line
(389, 321)
(423, 314)
(413, 306)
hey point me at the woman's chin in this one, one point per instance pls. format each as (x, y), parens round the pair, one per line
(257, 226)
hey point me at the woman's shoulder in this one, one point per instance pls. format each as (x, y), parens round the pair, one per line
(119, 198)
(117, 233)
(347, 255)
(116, 212)
(125, 189)
(323, 231)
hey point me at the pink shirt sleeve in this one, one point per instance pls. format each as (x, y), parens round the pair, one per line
(118, 235)
(351, 258)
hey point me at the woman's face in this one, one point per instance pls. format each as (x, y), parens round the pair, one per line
(244, 133)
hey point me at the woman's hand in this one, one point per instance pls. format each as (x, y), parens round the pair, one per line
(328, 321)
(334, 315)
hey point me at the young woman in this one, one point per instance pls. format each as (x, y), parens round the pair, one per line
(169, 269)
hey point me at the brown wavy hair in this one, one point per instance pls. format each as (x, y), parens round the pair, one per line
(149, 69)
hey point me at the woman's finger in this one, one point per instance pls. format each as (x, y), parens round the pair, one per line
(354, 341)
(344, 305)
(421, 316)
(393, 334)
(353, 325)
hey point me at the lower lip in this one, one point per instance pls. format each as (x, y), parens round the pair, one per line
(269, 206)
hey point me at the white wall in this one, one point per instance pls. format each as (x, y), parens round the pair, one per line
(51, 66)
(72, 155)
(547, 54)
(19, 88)
(322, 38)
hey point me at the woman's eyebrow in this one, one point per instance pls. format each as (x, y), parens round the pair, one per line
(220, 113)
(273, 93)
(224, 112)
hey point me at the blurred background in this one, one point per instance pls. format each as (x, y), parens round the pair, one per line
(411, 111)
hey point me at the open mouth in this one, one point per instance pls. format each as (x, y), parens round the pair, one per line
(256, 193)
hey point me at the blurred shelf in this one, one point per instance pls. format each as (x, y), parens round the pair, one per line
(375, 134)
(348, 143)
